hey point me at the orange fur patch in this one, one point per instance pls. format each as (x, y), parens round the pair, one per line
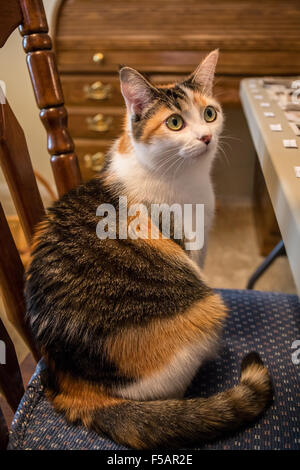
(169, 85)
(168, 248)
(139, 351)
(199, 100)
(124, 146)
(154, 123)
(78, 398)
(164, 245)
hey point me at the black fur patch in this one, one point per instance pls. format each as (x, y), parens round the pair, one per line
(169, 97)
(251, 358)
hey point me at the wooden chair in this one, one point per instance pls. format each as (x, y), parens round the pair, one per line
(29, 16)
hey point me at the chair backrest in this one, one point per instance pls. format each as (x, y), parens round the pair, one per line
(29, 16)
(10, 380)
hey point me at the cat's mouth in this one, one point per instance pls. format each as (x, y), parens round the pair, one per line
(203, 150)
(196, 151)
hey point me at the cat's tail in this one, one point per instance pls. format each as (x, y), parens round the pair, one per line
(173, 423)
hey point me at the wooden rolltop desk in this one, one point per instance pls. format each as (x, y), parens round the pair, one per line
(166, 39)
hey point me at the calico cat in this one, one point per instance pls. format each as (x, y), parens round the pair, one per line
(124, 323)
(170, 163)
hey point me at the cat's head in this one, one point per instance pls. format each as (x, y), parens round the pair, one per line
(178, 121)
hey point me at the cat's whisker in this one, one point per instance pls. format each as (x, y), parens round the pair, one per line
(177, 158)
(165, 162)
(163, 169)
(224, 136)
(228, 145)
(223, 153)
(173, 164)
(172, 157)
(179, 166)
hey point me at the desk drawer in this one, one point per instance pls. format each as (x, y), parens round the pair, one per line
(95, 123)
(170, 61)
(95, 90)
(97, 60)
(101, 89)
(91, 155)
(104, 89)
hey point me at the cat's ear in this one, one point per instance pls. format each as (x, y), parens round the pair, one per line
(136, 90)
(205, 72)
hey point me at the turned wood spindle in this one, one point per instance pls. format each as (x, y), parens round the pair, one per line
(48, 93)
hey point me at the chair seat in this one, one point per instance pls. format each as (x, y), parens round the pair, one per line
(261, 321)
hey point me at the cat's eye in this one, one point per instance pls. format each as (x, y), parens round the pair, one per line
(210, 114)
(175, 122)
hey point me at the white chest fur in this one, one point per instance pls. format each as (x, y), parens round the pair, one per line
(193, 186)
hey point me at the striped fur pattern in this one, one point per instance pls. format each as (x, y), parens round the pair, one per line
(125, 324)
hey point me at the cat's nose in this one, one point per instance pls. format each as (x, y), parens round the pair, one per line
(205, 139)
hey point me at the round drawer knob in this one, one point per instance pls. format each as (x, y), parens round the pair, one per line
(98, 58)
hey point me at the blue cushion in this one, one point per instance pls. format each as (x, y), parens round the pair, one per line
(261, 321)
